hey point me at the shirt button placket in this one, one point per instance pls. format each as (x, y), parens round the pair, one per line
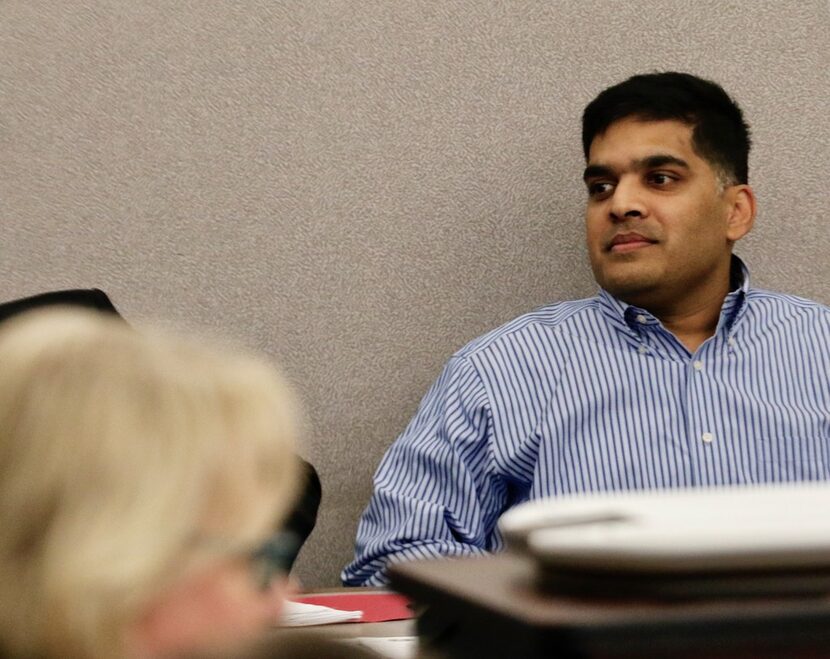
(700, 432)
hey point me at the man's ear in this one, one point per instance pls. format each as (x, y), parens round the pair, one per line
(741, 201)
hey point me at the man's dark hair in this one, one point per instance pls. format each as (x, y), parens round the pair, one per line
(720, 134)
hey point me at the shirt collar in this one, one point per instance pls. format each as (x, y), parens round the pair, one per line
(734, 305)
(629, 317)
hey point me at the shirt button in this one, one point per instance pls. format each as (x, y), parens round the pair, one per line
(642, 350)
(698, 365)
(732, 342)
(641, 319)
(707, 437)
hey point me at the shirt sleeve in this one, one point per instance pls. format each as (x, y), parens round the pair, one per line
(437, 491)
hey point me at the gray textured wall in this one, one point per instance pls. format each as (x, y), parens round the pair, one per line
(359, 187)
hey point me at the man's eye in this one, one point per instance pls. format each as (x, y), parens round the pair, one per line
(659, 178)
(599, 189)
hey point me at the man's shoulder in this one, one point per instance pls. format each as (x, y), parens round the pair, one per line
(551, 317)
(786, 305)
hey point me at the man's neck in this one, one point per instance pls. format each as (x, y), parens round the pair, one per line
(696, 319)
(693, 325)
(693, 316)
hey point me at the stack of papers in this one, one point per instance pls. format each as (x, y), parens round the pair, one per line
(300, 614)
(393, 647)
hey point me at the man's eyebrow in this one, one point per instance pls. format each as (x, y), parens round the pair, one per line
(661, 160)
(649, 162)
(595, 171)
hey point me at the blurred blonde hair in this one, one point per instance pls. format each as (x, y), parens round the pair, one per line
(119, 448)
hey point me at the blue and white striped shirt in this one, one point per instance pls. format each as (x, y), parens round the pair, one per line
(596, 395)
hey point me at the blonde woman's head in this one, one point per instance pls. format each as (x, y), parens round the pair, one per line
(133, 464)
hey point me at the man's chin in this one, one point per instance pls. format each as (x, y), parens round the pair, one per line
(633, 290)
(627, 274)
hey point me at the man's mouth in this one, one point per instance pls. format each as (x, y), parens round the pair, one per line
(628, 242)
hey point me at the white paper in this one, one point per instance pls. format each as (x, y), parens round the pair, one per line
(393, 647)
(300, 614)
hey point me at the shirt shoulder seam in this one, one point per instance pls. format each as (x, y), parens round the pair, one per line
(552, 316)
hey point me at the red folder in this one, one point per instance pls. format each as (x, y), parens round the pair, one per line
(376, 606)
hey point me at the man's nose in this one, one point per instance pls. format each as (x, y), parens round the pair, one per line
(627, 202)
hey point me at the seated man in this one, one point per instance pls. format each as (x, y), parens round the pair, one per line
(677, 374)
